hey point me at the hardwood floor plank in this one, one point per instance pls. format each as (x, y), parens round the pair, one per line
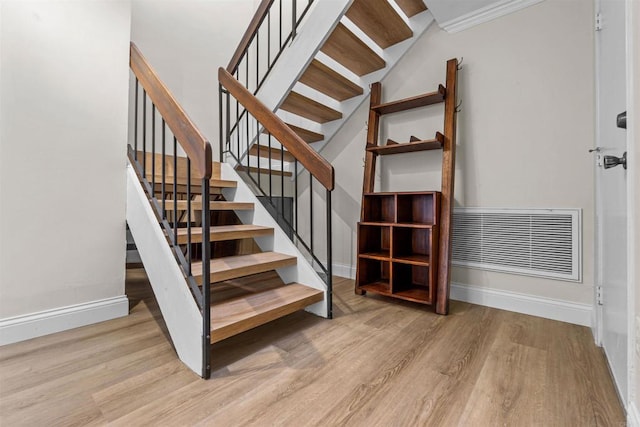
(515, 396)
(379, 362)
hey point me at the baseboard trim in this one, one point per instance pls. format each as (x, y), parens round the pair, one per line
(570, 312)
(492, 11)
(344, 270)
(633, 416)
(21, 328)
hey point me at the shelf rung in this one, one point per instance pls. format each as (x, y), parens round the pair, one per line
(408, 147)
(413, 102)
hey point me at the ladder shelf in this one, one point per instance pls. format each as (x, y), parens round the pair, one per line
(404, 238)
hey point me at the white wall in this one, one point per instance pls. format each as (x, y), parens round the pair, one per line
(527, 88)
(63, 130)
(186, 41)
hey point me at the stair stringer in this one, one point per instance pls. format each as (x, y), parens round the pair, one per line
(321, 19)
(179, 309)
(302, 272)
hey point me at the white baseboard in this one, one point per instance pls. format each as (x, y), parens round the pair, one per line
(21, 328)
(579, 314)
(492, 11)
(344, 270)
(570, 312)
(633, 416)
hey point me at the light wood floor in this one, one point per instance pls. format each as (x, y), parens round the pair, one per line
(378, 363)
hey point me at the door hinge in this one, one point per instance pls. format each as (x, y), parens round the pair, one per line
(598, 21)
(599, 295)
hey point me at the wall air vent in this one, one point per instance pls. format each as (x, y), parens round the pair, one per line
(532, 242)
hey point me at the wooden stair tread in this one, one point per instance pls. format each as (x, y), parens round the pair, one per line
(379, 20)
(276, 153)
(240, 314)
(307, 135)
(409, 147)
(264, 171)
(411, 7)
(218, 205)
(310, 109)
(413, 102)
(243, 265)
(219, 233)
(331, 83)
(213, 183)
(347, 49)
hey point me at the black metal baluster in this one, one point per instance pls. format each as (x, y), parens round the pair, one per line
(294, 21)
(206, 291)
(153, 150)
(175, 191)
(144, 133)
(221, 130)
(164, 172)
(329, 259)
(311, 208)
(189, 214)
(270, 167)
(247, 140)
(282, 181)
(295, 195)
(280, 21)
(258, 148)
(135, 123)
(257, 59)
(268, 40)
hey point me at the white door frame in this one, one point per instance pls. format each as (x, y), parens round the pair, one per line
(598, 250)
(632, 10)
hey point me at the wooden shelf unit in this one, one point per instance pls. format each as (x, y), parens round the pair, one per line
(404, 238)
(397, 245)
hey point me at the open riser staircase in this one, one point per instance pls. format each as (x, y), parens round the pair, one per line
(218, 262)
(319, 78)
(231, 246)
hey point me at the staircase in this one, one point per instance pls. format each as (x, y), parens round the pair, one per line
(218, 262)
(231, 246)
(320, 78)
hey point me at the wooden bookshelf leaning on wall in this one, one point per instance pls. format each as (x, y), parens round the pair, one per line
(404, 238)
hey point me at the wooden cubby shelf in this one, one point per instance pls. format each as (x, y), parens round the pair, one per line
(395, 257)
(404, 238)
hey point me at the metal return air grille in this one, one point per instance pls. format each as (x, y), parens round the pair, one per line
(533, 242)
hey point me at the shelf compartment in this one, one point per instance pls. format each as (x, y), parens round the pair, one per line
(412, 282)
(374, 241)
(418, 208)
(409, 147)
(374, 275)
(413, 102)
(379, 208)
(412, 245)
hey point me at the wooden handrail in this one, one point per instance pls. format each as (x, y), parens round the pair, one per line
(257, 19)
(195, 145)
(307, 156)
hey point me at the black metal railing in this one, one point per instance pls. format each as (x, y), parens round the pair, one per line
(171, 180)
(282, 170)
(272, 28)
